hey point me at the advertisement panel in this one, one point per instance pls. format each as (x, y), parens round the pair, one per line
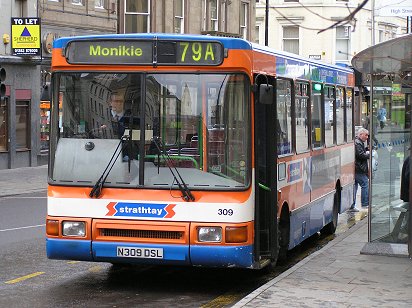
(25, 34)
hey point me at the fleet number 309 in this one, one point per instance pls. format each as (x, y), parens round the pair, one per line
(225, 212)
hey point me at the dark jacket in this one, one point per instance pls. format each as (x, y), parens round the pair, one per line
(405, 180)
(361, 158)
(119, 125)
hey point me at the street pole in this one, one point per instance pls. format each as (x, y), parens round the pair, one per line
(373, 21)
(371, 119)
(267, 23)
(410, 189)
(409, 30)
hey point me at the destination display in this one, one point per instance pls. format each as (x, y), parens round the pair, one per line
(203, 53)
(144, 52)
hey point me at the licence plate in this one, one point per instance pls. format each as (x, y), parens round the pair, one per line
(140, 252)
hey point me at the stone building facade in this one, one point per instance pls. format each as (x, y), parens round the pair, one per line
(24, 111)
(219, 17)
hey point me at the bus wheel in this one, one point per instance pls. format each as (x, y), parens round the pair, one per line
(330, 228)
(283, 234)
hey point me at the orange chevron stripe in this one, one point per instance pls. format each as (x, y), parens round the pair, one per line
(169, 210)
(111, 209)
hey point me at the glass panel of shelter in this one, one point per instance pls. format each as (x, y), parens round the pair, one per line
(388, 210)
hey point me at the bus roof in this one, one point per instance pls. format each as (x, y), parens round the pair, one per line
(228, 42)
(299, 59)
(287, 64)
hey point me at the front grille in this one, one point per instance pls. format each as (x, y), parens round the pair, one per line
(154, 234)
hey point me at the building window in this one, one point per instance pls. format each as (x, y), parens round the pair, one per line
(291, 39)
(137, 16)
(3, 125)
(78, 2)
(381, 36)
(386, 32)
(257, 34)
(244, 17)
(214, 15)
(342, 43)
(22, 125)
(99, 4)
(179, 16)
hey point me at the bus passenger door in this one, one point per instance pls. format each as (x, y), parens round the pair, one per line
(266, 242)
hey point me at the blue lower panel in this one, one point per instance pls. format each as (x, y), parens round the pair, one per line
(208, 256)
(310, 219)
(346, 198)
(172, 254)
(222, 256)
(69, 249)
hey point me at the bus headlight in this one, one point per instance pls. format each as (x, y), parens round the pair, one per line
(74, 228)
(209, 234)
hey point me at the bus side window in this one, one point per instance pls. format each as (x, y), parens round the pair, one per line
(317, 117)
(284, 116)
(301, 117)
(349, 115)
(340, 105)
(330, 105)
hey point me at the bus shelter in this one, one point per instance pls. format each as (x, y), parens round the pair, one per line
(386, 68)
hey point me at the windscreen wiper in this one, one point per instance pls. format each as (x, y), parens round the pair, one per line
(97, 188)
(186, 193)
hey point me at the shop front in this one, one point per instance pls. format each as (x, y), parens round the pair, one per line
(18, 113)
(387, 68)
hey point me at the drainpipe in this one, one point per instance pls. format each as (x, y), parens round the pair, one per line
(410, 185)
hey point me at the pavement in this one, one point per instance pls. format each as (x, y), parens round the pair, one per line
(341, 274)
(23, 180)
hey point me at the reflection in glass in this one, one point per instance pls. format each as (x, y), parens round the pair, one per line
(201, 122)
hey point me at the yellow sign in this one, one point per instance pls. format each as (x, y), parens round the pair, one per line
(25, 36)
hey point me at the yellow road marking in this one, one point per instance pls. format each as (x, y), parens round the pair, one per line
(73, 262)
(95, 269)
(24, 277)
(223, 300)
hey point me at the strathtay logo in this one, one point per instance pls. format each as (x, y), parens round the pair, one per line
(149, 210)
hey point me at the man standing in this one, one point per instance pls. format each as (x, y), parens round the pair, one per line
(382, 116)
(361, 169)
(367, 125)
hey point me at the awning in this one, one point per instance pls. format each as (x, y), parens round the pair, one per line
(390, 57)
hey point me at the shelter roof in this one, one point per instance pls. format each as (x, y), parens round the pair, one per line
(390, 57)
